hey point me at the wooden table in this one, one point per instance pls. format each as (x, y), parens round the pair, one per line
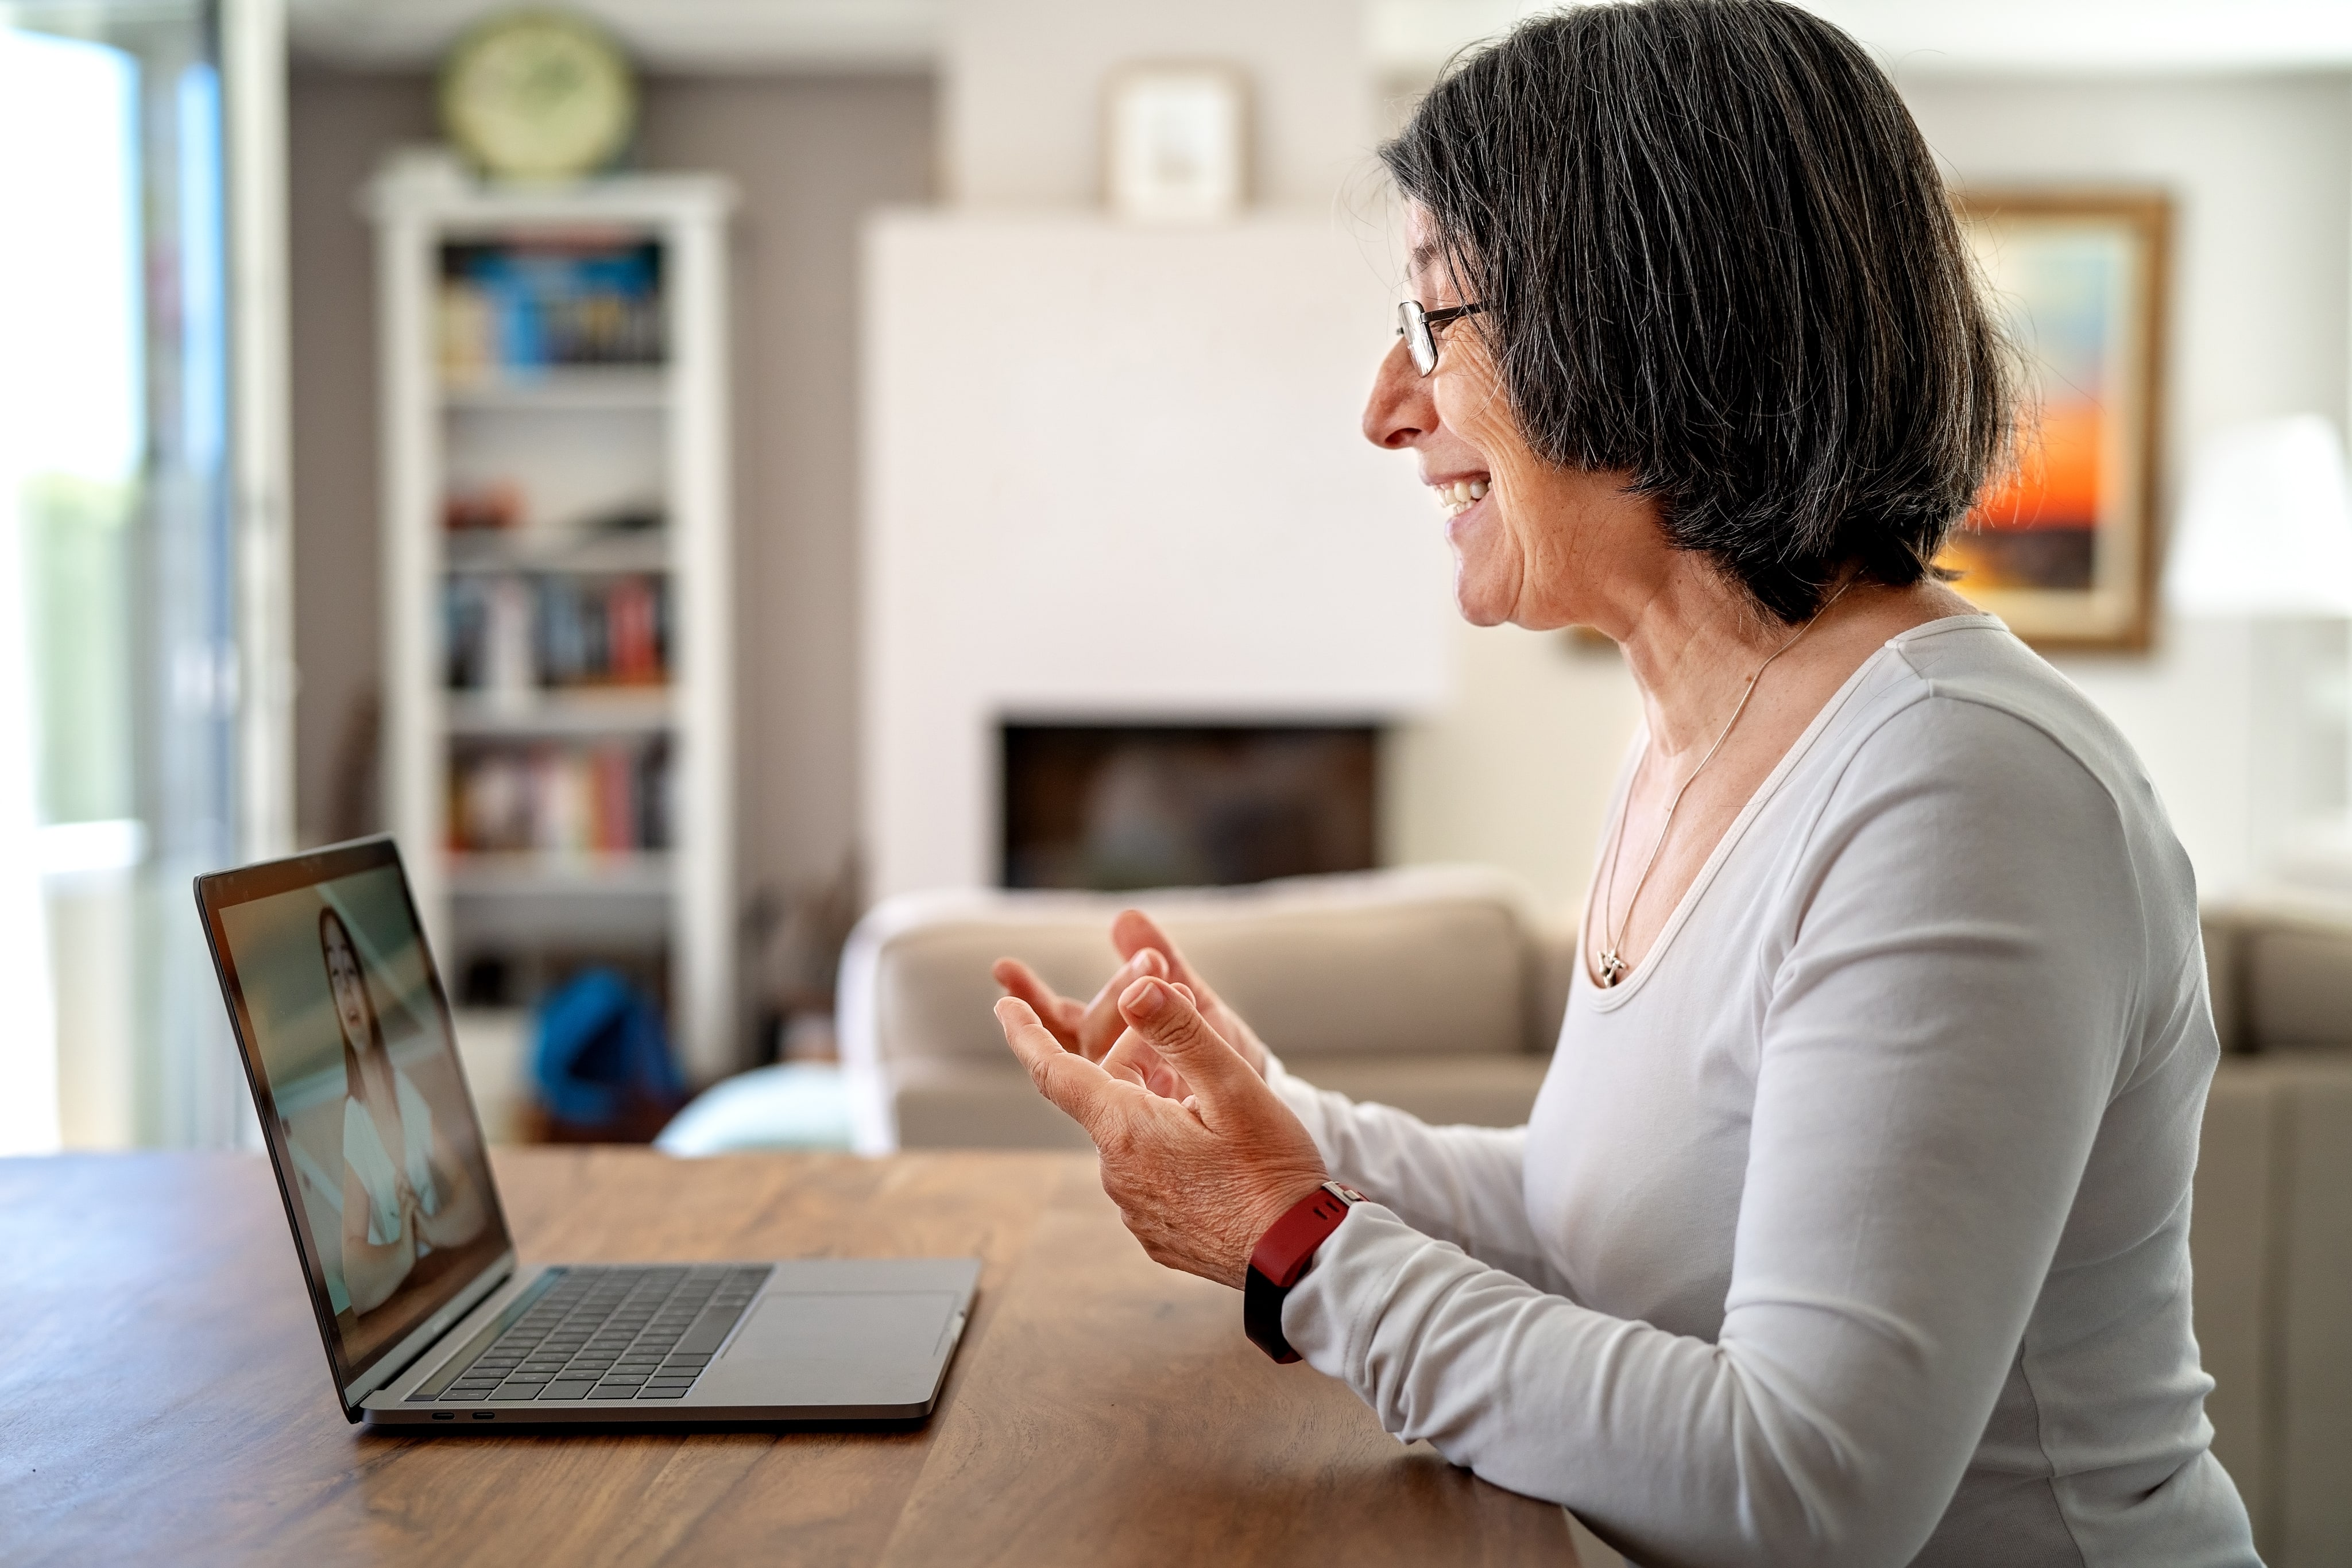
(163, 1397)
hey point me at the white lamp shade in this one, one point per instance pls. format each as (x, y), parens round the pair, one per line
(2265, 527)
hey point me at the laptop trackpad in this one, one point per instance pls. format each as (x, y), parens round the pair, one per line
(848, 1347)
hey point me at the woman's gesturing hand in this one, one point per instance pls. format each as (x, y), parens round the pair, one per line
(1092, 1028)
(1137, 933)
(1197, 1180)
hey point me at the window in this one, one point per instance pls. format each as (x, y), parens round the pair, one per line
(118, 681)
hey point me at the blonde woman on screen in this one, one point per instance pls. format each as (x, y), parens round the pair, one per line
(404, 1190)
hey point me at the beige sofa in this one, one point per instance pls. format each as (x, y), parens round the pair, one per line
(1434, 990)
(2272, 1241)
(1438, 991)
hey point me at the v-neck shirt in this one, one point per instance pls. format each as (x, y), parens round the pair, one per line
(1851, 1227)
(1764, 791)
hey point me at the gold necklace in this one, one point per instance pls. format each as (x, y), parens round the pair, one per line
(1614, 967)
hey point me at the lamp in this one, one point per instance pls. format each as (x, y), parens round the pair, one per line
(2265, 527)
(2264, 534)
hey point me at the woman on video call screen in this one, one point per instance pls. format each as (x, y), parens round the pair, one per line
(404, 1188)
(367, 1096)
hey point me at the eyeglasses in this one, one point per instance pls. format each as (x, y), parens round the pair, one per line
(1415, 326)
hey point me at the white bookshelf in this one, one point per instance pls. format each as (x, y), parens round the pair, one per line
(569, 439)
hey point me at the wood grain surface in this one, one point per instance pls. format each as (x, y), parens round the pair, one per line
(163, 1397)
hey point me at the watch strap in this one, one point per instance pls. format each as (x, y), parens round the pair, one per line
(1281, 1257)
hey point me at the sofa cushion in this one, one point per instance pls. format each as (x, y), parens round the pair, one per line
(2279, 963)
(965, 1104)
(788, 1105)
(2224, 965)
(1395, 963)
(2232, 1248)
(2271, 1246)
(2298, 985)
(2311, 1507)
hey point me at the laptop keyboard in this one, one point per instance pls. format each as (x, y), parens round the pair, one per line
(602, 1333)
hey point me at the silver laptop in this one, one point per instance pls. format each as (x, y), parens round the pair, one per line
(428, 1315)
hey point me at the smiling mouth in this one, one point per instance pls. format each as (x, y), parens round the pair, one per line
(1459, 496)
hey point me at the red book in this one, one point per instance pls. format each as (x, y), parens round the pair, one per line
(616, 806)
(635, 658)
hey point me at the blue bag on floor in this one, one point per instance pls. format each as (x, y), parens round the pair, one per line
(602, 1056)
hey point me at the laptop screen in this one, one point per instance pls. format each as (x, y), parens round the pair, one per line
(353, 1063)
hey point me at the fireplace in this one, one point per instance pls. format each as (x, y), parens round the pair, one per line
(1074, 512)
(1118, 806)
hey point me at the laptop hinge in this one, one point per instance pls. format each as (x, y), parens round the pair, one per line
(420, 1340)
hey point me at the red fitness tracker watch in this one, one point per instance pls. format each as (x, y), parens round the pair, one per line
(1281, 1257)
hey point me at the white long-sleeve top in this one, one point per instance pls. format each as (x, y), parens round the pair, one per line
(1852, 1227)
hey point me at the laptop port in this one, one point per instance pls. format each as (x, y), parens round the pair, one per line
(445, 1414)
(485, 1414)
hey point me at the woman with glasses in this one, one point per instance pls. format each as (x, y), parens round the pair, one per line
(1851, 1225)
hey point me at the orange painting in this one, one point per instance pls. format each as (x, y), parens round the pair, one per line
(2055, 482)
(2059, 544)
(2052, 492)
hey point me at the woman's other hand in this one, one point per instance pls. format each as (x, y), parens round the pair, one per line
(372, 1271)
(1092, 1028)
(460, 1216)
(1134, 933)
(1197, 1180)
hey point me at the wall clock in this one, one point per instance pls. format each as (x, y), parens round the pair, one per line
(537, 95)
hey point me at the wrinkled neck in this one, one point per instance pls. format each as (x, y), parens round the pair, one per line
(1693, 644)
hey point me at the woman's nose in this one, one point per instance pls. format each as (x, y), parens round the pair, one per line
(1400, 410)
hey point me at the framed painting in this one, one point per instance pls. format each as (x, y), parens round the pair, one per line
(2062, 544)
(1176, 142)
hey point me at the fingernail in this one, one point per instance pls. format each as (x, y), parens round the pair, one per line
(1145, 1000)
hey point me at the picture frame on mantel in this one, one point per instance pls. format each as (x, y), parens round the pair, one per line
(2062, 544)
(1176, 142)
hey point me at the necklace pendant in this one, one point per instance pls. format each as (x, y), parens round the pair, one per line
(1612, 968)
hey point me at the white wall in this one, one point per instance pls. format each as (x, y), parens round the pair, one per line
(1516, 771)
(1087, 498)
(1024, 81)
(1113, 472)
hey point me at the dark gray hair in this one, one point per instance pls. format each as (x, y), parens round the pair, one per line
(1715, 252)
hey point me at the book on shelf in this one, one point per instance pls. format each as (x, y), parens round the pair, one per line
(513, 634)
(517, 308)
(601, 798)
(497, 505)
(486, 518)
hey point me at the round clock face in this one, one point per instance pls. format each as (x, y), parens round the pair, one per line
(538, 96)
